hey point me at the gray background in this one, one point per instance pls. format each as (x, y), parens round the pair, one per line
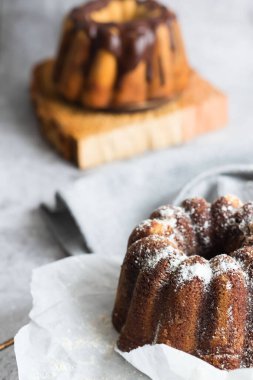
(219, 40)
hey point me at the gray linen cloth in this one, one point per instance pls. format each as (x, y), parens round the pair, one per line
(88, 220)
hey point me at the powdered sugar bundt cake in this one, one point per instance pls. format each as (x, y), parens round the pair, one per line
(120, 52)
(186, 281)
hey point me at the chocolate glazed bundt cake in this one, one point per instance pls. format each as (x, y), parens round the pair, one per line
(186, 281)
(115, 53)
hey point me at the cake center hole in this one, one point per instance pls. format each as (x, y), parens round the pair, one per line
(121, 11)
(223, 246)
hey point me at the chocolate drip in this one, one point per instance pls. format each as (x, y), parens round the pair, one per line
(172, 38)
(161, 73)
(65, 45)
(130, 42)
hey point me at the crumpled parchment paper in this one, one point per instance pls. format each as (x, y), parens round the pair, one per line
(70, 335)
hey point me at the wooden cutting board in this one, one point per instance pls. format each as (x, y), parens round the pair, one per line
(91, 138)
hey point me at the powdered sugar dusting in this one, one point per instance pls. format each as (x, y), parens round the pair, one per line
(151, 262)
(176, 261)
(246, 225)
(166, 223)
(167, 227)
(168, 252)
(227, 208)
(229, 286)
(206, 224)
(201, 220)
(172, 222)
(201, 271)
(170, 214)
(168, 211)
(144, 223)
(230, 314)
(157, 332)
(225, 266)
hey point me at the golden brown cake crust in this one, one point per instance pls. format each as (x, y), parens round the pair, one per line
(179, 287)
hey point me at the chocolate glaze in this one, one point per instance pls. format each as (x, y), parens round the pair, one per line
(130, 42)
(131, 108)
(65, 45)
(161, 73)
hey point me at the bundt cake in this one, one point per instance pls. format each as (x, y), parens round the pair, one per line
(119, 53)
(187, 281)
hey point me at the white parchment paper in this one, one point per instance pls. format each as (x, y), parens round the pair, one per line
(70, 335)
